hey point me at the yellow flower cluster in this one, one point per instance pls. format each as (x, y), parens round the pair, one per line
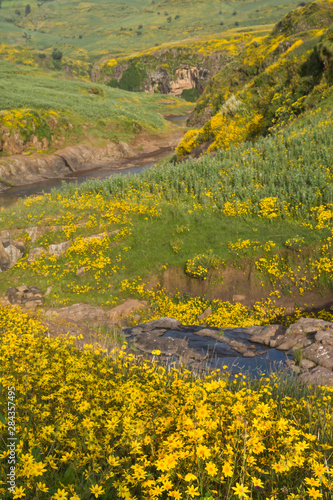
(131, 429)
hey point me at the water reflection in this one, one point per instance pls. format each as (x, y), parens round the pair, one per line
(10, 196)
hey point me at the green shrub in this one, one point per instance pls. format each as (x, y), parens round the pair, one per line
(132, 78)
(190, 95)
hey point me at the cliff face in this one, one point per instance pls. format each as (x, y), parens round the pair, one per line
(168, 71)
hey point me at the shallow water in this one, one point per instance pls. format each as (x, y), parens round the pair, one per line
(10, 196)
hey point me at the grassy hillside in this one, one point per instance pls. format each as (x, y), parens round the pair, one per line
(270, 82)
(254, 220)
(243, 234)
(76, 111)
(88, 30)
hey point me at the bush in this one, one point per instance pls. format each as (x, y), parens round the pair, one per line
(190, 95)
(56, 54)
(132, 78)
(199, 266)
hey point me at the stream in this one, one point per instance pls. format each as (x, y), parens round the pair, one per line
(12, 195)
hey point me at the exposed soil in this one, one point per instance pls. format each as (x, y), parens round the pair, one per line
(22, 170)
(239, 285)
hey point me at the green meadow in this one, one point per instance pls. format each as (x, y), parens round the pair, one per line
(89, 30)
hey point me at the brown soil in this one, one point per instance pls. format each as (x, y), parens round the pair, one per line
(239, 285)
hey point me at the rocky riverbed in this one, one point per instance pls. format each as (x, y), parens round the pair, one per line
(306, 346)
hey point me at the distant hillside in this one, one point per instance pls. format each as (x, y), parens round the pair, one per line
(273, 80)
(86, 31)
(40, 110)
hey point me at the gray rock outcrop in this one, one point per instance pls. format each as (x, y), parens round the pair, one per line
(11, 251)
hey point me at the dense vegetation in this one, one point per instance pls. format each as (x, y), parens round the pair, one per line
(45, 104)
(255, 216)
(85, 31)
(269, 83)
(135, 430)
(269, 203)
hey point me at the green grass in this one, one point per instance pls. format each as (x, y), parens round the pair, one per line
(111, 113)
(191, 198)
(89, 30)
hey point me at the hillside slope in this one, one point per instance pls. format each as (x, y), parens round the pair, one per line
(268, 84)
(43, 111)
(87, 30)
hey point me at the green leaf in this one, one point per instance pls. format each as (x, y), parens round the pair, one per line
(2, 419)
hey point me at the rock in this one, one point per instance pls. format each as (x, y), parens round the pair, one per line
(270, 335)
(35, 232)
(292, 342)
(35, 253)
(326, 335)
(11, 291)
(168, 347)
(125, 309)
(206, 313)
(206, 332)
(318, 375)
(238, 298)
(320, 354)
(29, 297)
(58, 249)
(80, 271)
(308, 325)
(4, 259)
(306, 364)
(48, 290)
(165, 323)
(11, 251)
(124, 149)
(12, 143)
(80, 313)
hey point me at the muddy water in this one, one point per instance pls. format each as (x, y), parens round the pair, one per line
(10, 196)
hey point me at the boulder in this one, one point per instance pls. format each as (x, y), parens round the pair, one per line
(320, 354)
(165, 323)
(35, 253)
(28, 297)
(58, 249)
(308, 325)
(294, 341)
(206, 313)
(318, 375)
(125, 309)
(270, 335)
(11, 251)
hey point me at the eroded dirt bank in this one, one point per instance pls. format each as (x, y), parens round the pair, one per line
(21, 170)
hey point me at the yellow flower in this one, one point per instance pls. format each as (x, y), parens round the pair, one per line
(60, 495)
(97, 490)
(175, 494)
(257, 482)
(190, 477)
(42, 487)
(192, 491)
(19, 492)
(314, 493)
(211, 469)
(227, 470)
(203, 451)
(240, 490)
(156, 352)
